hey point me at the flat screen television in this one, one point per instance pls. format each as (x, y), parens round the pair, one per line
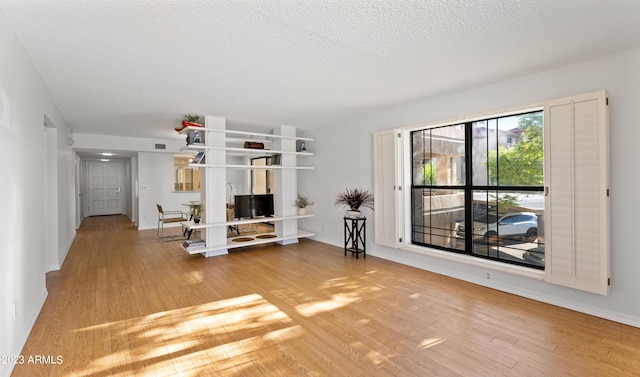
(249, 206)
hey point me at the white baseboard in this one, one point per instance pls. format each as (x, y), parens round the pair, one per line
(571, 305)
(53, 267)
(153, 226)
(8, 368)
(57, 266)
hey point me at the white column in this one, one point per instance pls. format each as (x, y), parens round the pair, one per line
(214, 187)
(286, 184)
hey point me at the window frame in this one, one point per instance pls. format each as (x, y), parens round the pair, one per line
(468, 187)
(184, 175)
(591, 266)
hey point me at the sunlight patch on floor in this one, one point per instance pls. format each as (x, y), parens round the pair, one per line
(193, 277)
(336, 301)
(377, 358)
(220, 335)
(431, 342)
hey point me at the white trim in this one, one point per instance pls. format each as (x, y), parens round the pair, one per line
(494, 284)
(249, 167)
(477, 262)
(244, 151)
(245, 133)
(7, 369)
(230, 244)
(491, 114)
(255, 220)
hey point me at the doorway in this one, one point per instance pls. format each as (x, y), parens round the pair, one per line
(105, 190)
(262, 180)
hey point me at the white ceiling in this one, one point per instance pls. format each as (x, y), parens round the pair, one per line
(135, 68)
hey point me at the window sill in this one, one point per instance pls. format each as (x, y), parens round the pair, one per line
(477, 262)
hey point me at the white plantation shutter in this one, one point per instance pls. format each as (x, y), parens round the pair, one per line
(577, 245)
(384, 188)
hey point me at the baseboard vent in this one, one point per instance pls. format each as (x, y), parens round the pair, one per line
(161, 146)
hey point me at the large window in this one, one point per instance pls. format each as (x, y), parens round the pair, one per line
(508, 189)
(478, 188)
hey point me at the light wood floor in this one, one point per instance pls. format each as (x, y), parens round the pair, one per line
(126, 304)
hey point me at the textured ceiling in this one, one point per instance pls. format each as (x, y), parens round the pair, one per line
(134, 67)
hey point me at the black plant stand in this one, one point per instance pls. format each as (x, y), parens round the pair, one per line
(355, 234)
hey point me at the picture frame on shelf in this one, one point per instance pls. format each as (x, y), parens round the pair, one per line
(199, 158)
(196, 137)
(276, 159)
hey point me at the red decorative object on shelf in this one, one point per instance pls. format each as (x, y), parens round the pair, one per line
(186, 124)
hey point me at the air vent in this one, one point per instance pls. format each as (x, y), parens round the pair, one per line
(161, 146)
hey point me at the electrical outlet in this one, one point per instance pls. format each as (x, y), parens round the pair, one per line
(488, 275)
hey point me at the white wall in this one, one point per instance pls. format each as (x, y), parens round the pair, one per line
(152, 174)
(127, 144)
(344, 159)
(24, 105)
(66, 194)
(150, 168)
(155, 175)
(239, 178)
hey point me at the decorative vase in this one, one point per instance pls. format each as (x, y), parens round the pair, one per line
(354, 213)
(302, 211)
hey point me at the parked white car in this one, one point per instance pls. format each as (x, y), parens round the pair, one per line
(517, 225)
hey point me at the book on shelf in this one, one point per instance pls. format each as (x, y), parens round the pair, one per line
(194, 244)
(253, 145)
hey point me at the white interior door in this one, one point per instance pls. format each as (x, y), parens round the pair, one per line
(105, 188)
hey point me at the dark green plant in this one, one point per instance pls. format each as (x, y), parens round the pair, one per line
(523, 163)
(354, 198)
(302, 201)
(429, 171)
(504, 202)
(196, 211)
(192, 118)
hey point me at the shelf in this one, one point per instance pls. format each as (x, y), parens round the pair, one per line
(256, 241)
(243, 151)
(252, 167)
(220, 150)
(192, 225)
(246, 133)
(244, 139)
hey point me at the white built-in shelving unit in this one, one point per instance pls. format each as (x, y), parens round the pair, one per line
(220, 143)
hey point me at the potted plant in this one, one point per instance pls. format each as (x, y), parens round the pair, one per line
(189, 121)
(354, 199)
(302, 202)
(196, 212)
